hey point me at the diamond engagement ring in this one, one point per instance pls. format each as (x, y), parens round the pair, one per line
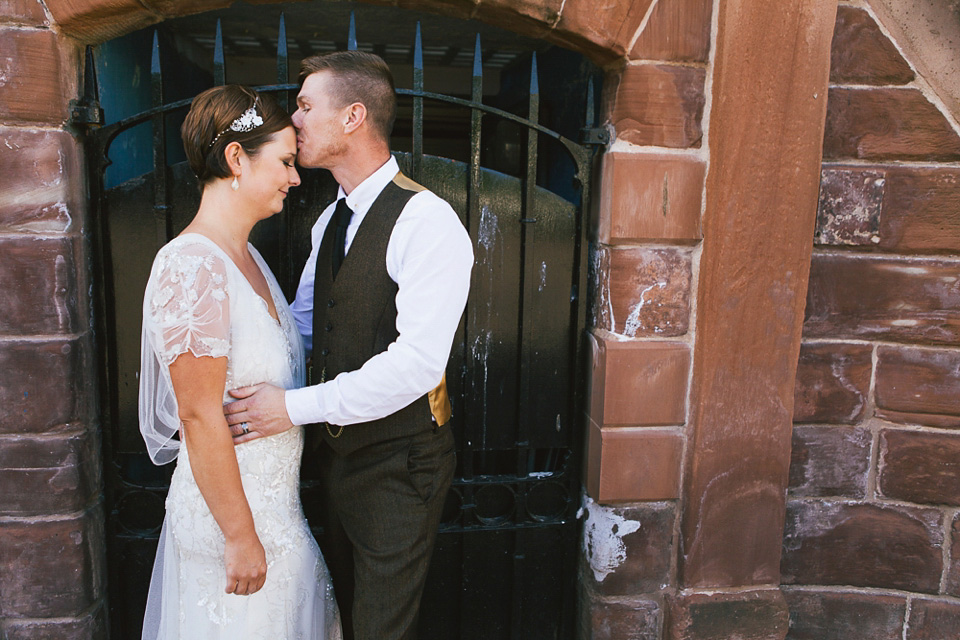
(245, 427)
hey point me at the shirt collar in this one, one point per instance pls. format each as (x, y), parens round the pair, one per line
(362, 197)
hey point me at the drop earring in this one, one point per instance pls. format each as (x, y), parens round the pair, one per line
(235, 184)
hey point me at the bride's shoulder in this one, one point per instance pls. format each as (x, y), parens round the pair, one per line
(190, 252)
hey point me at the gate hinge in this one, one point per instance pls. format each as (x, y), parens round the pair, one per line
(595, 135)
(85, 113)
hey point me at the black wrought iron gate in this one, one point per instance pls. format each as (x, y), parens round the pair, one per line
(505, 563)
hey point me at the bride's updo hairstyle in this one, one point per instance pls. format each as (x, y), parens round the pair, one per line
(207, 131)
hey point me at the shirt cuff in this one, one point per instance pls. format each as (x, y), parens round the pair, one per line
(303, 406)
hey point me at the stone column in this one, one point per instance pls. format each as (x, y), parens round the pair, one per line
(766, 127)
(51, 520)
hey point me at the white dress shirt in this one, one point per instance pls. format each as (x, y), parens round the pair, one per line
(429, 256)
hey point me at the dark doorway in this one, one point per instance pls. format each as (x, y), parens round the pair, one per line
(495, 136)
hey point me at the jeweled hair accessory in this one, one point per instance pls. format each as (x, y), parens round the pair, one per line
(248, 121)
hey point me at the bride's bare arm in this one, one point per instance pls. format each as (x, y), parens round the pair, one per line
(198, 384)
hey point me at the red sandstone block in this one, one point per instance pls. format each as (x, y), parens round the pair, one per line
(830, 615)
(659, 105)
(861, 54)
(638, 383)
(918, 386)
(953, 569)
(920, 467)
(879, 297)
(175, 8)
(51, 474)
(887, 124)
(678, 30)
(602, 27)
(529, 17)
(46, 385)
(849, 209)
(833, 382)
(643, 292)
(829, 461)
(920, 207)
(632, 464)
(627, 550)
(633, 620)
(649, 197)
(933, 620)
(862, 545)
(24, 12)
(745, 615)
(462, 9)
(41, 178)
(93, 625)
(38, 286)
(102, 20)
(39, 76)
(51, 568)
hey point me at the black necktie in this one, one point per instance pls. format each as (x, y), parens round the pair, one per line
(342, 215)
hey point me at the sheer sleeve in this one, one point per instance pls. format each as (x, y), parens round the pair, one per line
(185, 308)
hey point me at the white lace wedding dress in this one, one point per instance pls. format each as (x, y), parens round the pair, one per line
(197, 300)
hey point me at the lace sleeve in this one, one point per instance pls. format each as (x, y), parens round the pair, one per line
(185, 308)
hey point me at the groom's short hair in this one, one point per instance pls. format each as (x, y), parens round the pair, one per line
(359, 77)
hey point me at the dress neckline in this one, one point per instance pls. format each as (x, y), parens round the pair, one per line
(257, 258)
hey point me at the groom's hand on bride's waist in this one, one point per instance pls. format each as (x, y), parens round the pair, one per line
(260, 410)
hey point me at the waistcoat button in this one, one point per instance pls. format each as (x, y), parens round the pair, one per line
(329, 327)
(331, 302)
(325, 352)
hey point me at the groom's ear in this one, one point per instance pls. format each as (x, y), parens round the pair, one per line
(355, 116)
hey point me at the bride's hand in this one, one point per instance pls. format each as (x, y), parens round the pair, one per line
(246, 565)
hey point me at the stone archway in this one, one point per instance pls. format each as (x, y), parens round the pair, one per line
(653, 405)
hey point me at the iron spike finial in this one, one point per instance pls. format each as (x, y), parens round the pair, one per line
(534, 81)
(352, 34)
(590, 118)
(219, 71)
(282, 37)
(155, 57)
(418, 50)
(477, 59)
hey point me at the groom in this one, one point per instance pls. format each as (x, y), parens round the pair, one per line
(379, 302)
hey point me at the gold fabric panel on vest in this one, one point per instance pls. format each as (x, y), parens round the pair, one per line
(440, 402)
(407, 184)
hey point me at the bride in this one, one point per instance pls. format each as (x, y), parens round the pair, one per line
(236, 558)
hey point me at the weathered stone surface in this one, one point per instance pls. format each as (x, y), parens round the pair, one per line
(100, 20)
(632, 464)
(43, 388)
(634, 620)
(862, 54)
(645, 196)
(953, 568)
(760, 204)
(678, 30)
(933, 620)
(849, 209)
(833, 382)
(920, 467)
(174, 8)
(638, 383)
(660, 105)
(602, 27)
(38, 92)
(38, 286)
(627, 551)
(41, 186)
(880, 297)
(918, 386)
(844, 616)
(529, 17)
(862, 545)
(462, 9)
(643, 291)
(920, 207)
(829, 461)
(49, 474)
(887, 124)
(748, 615)
(87, 627)
(25, 12)
(51, 568)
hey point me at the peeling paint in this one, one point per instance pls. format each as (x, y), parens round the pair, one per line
(633, 321)
(603, 532)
